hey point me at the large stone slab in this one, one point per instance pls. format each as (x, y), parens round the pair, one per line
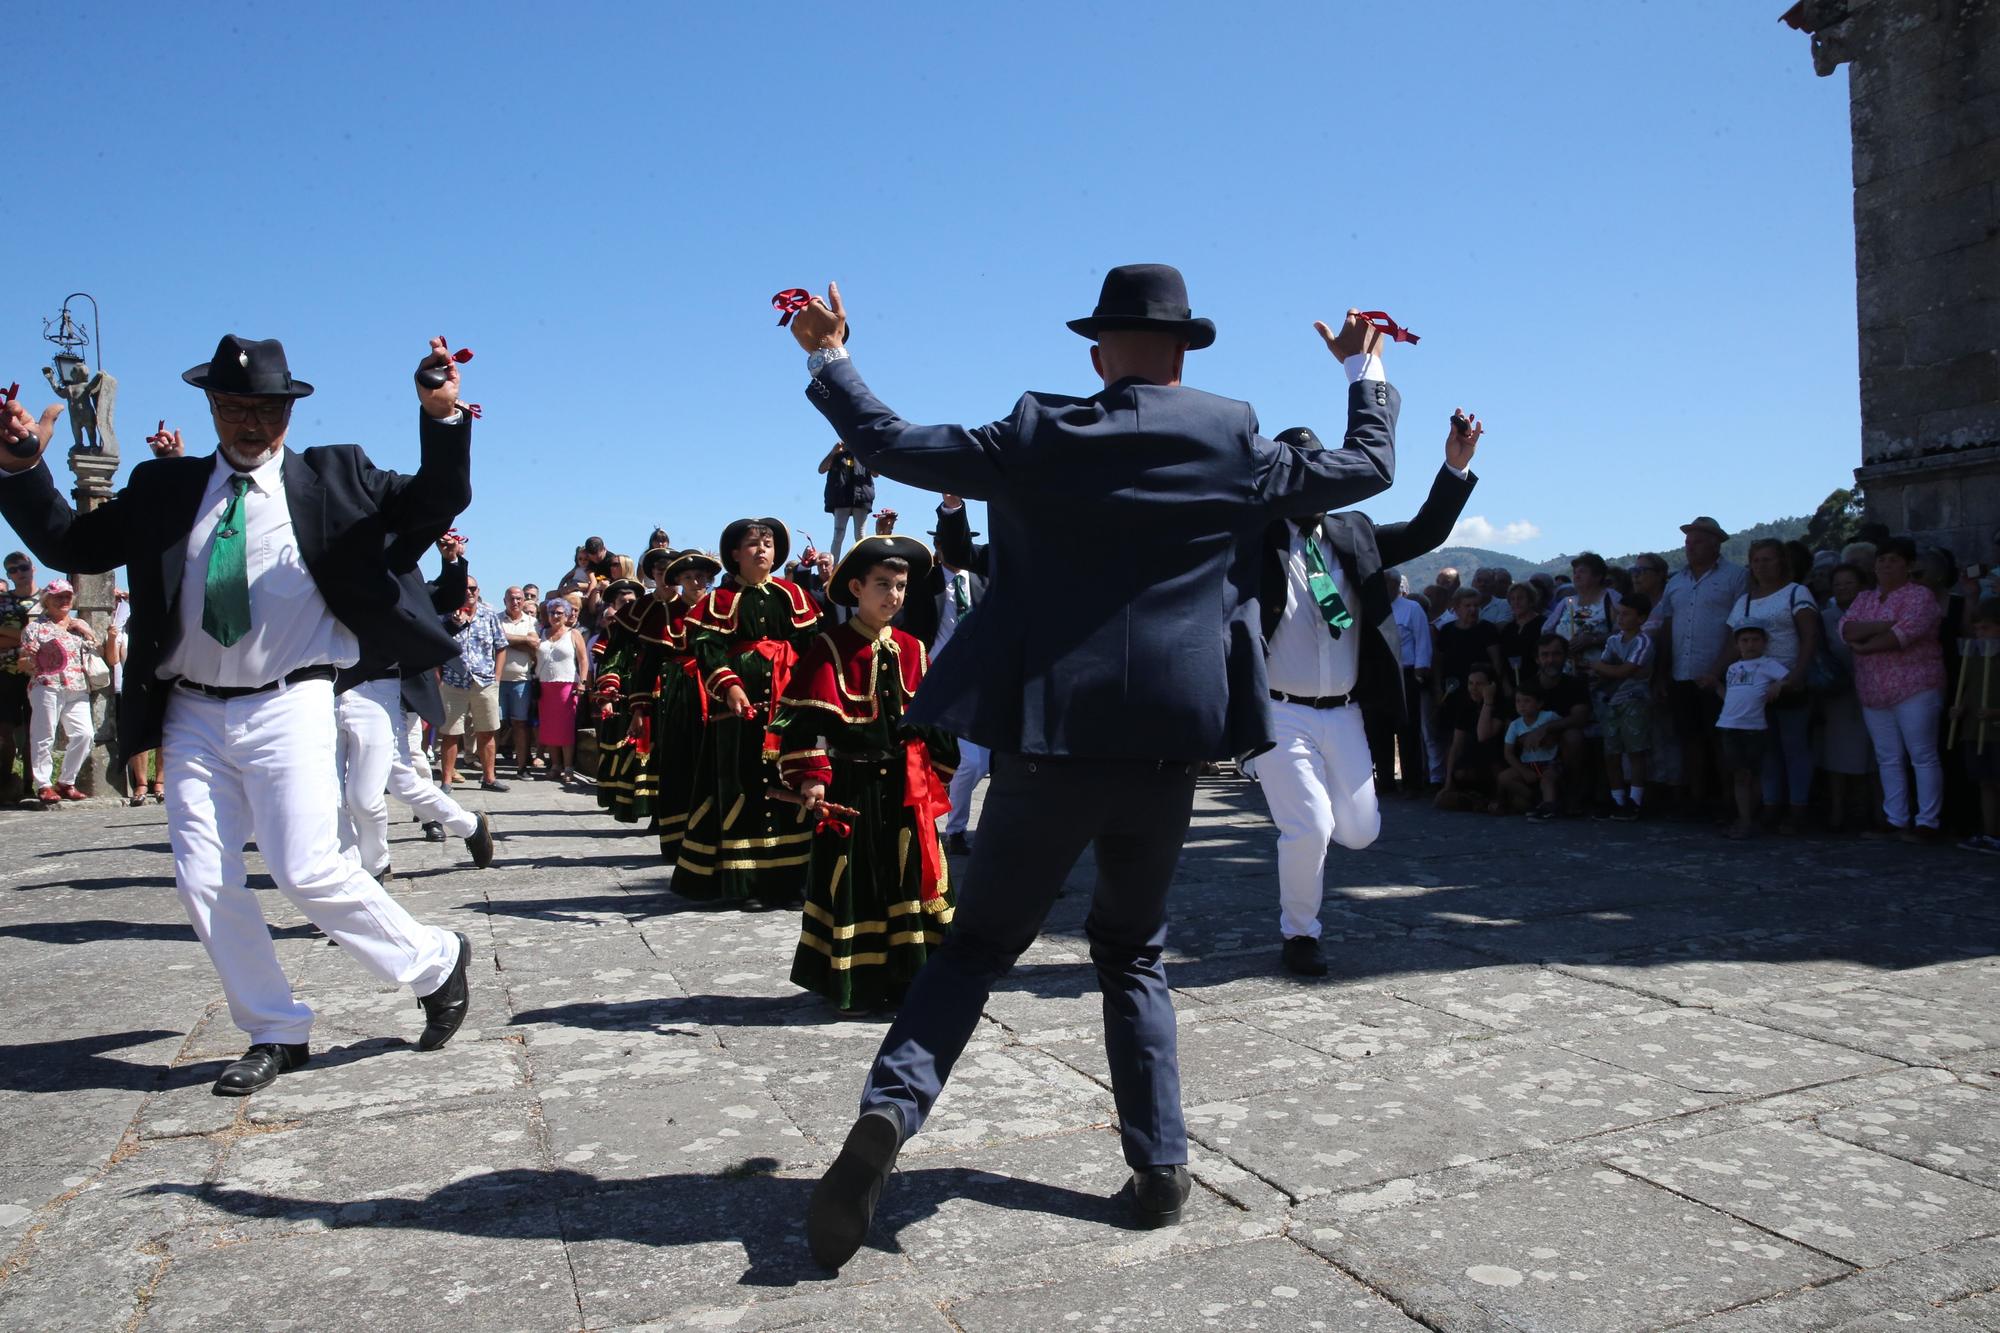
(1865, 1207)
(1708, 1052)
(1549, 1095)
(510, 1272)
(1347, 1135)
(1268, 1284)
(1926, 1029)
(713, 1124)
(1954, 1129)
(373, 1077)
(1220, 1057)
(1355, 1022)
(1584, 1248)
(1520, 997)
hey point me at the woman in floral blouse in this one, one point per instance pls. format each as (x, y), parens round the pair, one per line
(1899, 676)
(60, 693)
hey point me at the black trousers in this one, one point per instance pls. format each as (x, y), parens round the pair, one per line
(1386, 732)
(1039, 815)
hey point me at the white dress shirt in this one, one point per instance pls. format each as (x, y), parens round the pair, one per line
(1305, 659)
(948, 617)
(290, 626)
(1413, 625)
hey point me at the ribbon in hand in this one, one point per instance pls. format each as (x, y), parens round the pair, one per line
(432, 376)
(159, 436)
(1396, 332)
(789, 302)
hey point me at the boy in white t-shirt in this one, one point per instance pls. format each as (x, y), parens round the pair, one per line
(1531, 755)
(1748, 686)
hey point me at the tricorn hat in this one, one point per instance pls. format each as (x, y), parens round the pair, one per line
(248, 368)
(613, 589)
(658, 555)
(781, 540)
(868, 552)
(1150, 297)
(687, 560)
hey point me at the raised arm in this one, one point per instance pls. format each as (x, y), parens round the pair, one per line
(1292, 480)
(1438, 515)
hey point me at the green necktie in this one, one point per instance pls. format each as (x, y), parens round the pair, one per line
(958, 595)
(225, 607)
(1320, 583)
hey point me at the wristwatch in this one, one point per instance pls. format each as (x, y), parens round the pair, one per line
(824, 357)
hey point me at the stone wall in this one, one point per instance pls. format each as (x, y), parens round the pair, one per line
(1924, 99)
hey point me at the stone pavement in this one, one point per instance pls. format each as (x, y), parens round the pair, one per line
(1563, 1077)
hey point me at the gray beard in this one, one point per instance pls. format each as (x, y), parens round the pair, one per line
(242, 464)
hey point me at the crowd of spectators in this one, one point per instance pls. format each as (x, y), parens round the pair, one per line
(1831, 691)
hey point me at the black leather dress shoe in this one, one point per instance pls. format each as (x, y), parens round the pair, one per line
(957, 844)
(480, 842)
(1158, 1195)
(434, 832)
(843, 1203)
(444, 1008)
(1303, 957)
(260, 1067)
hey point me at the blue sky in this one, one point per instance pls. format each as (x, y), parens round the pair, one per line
(1623, 230)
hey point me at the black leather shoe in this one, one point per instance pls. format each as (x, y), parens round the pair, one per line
(1158, 1195)
(480, 842)
(260, 1067)
(444, 1008)
(957, 844)
(843, 1203)
(434, 832)
(1302, 957)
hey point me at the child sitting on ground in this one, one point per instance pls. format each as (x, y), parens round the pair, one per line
(1531, 754)
(1748, 686)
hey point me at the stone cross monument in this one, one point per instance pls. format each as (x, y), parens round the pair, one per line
(1923, 86)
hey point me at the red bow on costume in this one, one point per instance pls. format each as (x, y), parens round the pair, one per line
(1396, 332)
(927, 799)
(641, 733)
(692, 670)
(789, 302)
(782, 657)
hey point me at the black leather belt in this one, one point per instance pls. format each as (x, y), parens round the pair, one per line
(244, 691)
(1326, 701)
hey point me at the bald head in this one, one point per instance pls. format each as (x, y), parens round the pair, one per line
(1128, 354)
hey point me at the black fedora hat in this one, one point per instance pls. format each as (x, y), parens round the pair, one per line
(247, 368)
(1149, 297)
(871, 551)
(687, 560)
(781, 541)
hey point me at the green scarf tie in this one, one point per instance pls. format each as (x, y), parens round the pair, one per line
(225, 609)
(1319, 582)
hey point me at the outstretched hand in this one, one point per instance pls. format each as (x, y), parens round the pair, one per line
(1356, 336)
(821, 323)
(442, 401)
(1463, 440)
(19, 429)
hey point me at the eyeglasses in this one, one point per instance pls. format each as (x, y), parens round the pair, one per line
(19, 569)
(239, 410)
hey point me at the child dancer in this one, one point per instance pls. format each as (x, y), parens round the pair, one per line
(681, 712)
(880, 895)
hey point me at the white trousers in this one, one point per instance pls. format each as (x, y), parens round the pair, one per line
(974, 762)
(374, 757)
(50, 704)
(1909, 731)
(262, 767)
(1320, 784)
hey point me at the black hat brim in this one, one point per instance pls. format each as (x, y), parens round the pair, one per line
(1196, 333)
(871, 551)
(691, 560)
(201, 378)
(781, 541)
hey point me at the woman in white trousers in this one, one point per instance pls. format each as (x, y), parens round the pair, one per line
(60, 694)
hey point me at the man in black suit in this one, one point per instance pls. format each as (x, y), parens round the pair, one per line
(950, 590)
(1100, 702)
(256, 573)
(960, 576)
(1334, 664)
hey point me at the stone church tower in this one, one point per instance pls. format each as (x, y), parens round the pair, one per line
(1923, 81)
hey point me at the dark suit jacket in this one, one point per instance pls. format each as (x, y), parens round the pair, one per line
(923, 610)
(446, 594)
(345, 510)
(1119, 618)
(1365, 552)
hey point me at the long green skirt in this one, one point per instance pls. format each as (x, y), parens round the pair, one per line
(739, 843)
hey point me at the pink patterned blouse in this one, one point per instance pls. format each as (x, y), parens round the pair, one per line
(58, 655)
(1883, 680)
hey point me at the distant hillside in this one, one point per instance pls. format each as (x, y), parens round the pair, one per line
(1423, 570)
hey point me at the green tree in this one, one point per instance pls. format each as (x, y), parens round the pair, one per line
(1836, 521)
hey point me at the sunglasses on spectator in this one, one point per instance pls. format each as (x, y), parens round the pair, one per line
(19, 569)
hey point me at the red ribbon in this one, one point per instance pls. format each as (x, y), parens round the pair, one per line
(462, 355)
(14, 391)
(692, 670)
(470, 409)
(927, 798)
(789, 302)
(834, 824)
(641, 733)
(159, 436)
(781, 656)
(1396, 332)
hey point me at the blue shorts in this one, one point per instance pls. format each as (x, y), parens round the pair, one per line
(515, 699)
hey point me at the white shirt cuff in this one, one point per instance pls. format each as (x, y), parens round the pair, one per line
(951, 509)
(457, 415)
(1459, 472)
(1362, 366)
